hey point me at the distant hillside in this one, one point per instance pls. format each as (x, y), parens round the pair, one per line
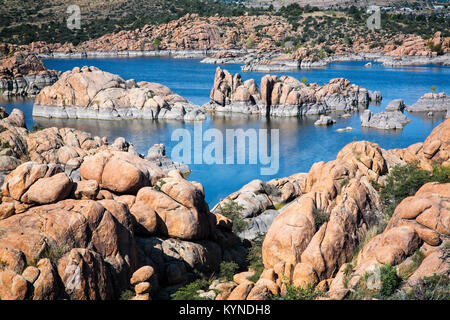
(331, 3)
(24, 21)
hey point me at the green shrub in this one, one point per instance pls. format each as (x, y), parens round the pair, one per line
(436, 287)
(320, 218)
(189, 291)
(416, 261)
(299, 293)
(228, 269)
(405, 181)
(36, 128)
(126, 294)
(254, 257)
(389, 280)
(250, 43)
(232, 210)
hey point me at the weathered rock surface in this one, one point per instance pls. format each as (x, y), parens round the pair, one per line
(390, 120)
(51, 230)
(315, 235)
(135, 172)
(438, 102)
(423, 218)
(433, 150)
(90, 93)
(325, 121)
(284, 96)
(24, 74)
(396, 105)
(258, 200)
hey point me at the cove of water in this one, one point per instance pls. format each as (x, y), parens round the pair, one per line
(301, 143)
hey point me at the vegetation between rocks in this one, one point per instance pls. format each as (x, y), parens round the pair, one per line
(405, 181)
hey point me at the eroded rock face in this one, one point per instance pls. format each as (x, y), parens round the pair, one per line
(94, 94)
(24, 74)
(438, 102)
(136, 172)
(322, 228)
(180, 208)
(390, 120)
(85, 248)
(284, 96)
(103, 227)
(258, 200)
(423, 218)
(435, 149)
(172, 258)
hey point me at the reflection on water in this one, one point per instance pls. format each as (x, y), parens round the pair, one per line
(301, 143)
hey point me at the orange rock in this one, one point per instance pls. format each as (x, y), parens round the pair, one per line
(243, 276)
(241, 291)
(12, 286)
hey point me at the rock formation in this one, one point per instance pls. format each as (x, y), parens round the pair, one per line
(259, 201)
(325, 121)
(390, 120)
(421, 223)
(85, 220)
(24, 74)
(94, 234)
(90, 93)
(284, 96)
(438, 102)
(314, 239)
(396, 105)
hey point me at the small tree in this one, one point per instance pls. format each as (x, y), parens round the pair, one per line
(228, 269)
(156, 43)
(233, 211)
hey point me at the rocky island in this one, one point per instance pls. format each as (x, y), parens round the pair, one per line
(89, 93)
(431, 102)
(285, 96)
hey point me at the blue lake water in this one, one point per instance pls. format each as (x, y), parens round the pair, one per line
(301, 143)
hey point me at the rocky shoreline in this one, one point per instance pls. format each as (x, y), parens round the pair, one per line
(75, 201)
(431, 102)
(24, 74)
(253, 61)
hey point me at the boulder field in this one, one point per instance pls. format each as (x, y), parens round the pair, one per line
(90, 93)
(285, 96)
(321, 237)
(82, 219)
